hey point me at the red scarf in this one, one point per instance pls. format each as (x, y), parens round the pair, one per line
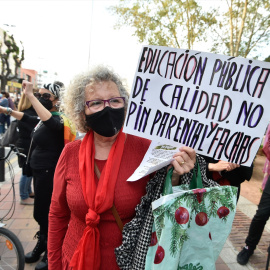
(98, 198)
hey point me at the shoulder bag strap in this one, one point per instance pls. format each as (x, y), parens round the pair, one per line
(29, 152)
(114, 211)
(30, 147)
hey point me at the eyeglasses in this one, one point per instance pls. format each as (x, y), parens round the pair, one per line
(44, 95)
(99, 104)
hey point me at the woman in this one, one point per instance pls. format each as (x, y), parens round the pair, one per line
(83, 231)
(48, 138)
(3, 103)
(23, 142)
(11, 105)
(266, 151)
(262, 214)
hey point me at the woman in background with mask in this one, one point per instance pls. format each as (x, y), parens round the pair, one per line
(48, 142)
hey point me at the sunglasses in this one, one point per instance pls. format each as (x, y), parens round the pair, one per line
(45, 95)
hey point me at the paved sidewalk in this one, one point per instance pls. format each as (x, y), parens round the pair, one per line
(25, 227)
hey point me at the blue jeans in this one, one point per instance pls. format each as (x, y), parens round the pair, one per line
(25, 186)
(2, 128)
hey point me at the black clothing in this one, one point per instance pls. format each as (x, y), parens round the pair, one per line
(25, 129)
(43, 186)
(48, 137)
(259, 220)
(49, 142)
(235, 177)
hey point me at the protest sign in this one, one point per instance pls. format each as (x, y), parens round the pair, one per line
(214, 103)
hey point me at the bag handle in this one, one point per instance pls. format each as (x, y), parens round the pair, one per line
(29, 151)
(196, 181)
(114, 210)
(167, 188)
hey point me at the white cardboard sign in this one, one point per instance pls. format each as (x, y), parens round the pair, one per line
(216, 104)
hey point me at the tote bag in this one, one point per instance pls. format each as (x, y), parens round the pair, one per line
(190, 225)
(11, 135)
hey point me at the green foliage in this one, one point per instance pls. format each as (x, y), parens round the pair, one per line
(244, 28)
(172, 23)
(267, 59)
(236, 27)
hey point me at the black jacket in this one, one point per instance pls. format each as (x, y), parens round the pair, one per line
(25, 129)
(235, 177)
(48, 140)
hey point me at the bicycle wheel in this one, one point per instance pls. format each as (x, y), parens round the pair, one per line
(11, 251)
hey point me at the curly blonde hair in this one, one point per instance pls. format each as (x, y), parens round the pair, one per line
(73, 103)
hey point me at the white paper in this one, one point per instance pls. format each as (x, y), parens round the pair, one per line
(157, 156)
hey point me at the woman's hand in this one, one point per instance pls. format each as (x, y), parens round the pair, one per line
(219, 166)
(27, 88)
(222, 166)
(232, 166)
(184, 160)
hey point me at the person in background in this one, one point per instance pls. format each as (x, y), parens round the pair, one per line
(10, 101)
(266, 168)
(12, 97)
(17, 99)
(48, 137)
(25, 129)
(256, 227)
(3, 103)
(260, 218)
(227, 173)
(83, 227)
(10, 105)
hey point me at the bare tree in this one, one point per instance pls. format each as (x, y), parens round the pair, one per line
(8, 52)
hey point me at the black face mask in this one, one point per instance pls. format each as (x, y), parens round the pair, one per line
(46, 103)
(107, 122)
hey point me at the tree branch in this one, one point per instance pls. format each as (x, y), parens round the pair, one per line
(244, 14)
(231, 30)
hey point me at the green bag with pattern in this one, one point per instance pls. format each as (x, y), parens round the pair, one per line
(191, 225)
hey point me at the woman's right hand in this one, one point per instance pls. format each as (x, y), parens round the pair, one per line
(27, 88)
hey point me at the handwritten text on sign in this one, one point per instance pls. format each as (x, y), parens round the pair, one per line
(216, 104)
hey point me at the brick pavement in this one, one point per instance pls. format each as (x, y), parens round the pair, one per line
(25, 227)
(238, 235)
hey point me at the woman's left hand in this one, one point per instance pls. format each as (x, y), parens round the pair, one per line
(184, 160)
